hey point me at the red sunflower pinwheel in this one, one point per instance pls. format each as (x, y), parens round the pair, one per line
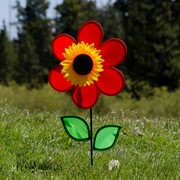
(86, 65)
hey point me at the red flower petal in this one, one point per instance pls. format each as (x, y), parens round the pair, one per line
(111, 81)
(57, 80)
(91, 32)
(59, 44)
(113, 51)
(85, 96)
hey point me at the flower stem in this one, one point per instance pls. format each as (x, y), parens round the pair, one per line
(91, 136)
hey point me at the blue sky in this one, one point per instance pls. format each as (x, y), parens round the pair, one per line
(9, 15)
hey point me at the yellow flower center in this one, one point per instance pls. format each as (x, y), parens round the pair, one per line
(82, 64)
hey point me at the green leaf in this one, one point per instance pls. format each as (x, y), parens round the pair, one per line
(76, 127)
(106, 137)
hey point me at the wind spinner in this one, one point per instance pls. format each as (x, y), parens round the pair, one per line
(87, 68)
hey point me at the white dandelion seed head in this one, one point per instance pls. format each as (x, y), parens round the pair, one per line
(113, 164)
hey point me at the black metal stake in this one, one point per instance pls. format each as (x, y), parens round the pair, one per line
(91, 136)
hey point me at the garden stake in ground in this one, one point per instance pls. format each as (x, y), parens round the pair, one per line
(87, 69)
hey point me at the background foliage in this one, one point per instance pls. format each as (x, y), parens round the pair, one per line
(152, 36)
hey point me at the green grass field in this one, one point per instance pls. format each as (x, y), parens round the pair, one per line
(34, 145)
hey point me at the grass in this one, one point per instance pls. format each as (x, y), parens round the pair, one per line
(34, 145)
(162, 104)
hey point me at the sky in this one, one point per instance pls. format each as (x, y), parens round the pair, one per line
(9, 15)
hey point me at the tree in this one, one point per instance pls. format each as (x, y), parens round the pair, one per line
(151, 35)
(28, 68)
(7, 57)
(111, 22)
(34, 33)
(71, 14)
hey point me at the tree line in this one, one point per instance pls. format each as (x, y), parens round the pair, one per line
(150, 29)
